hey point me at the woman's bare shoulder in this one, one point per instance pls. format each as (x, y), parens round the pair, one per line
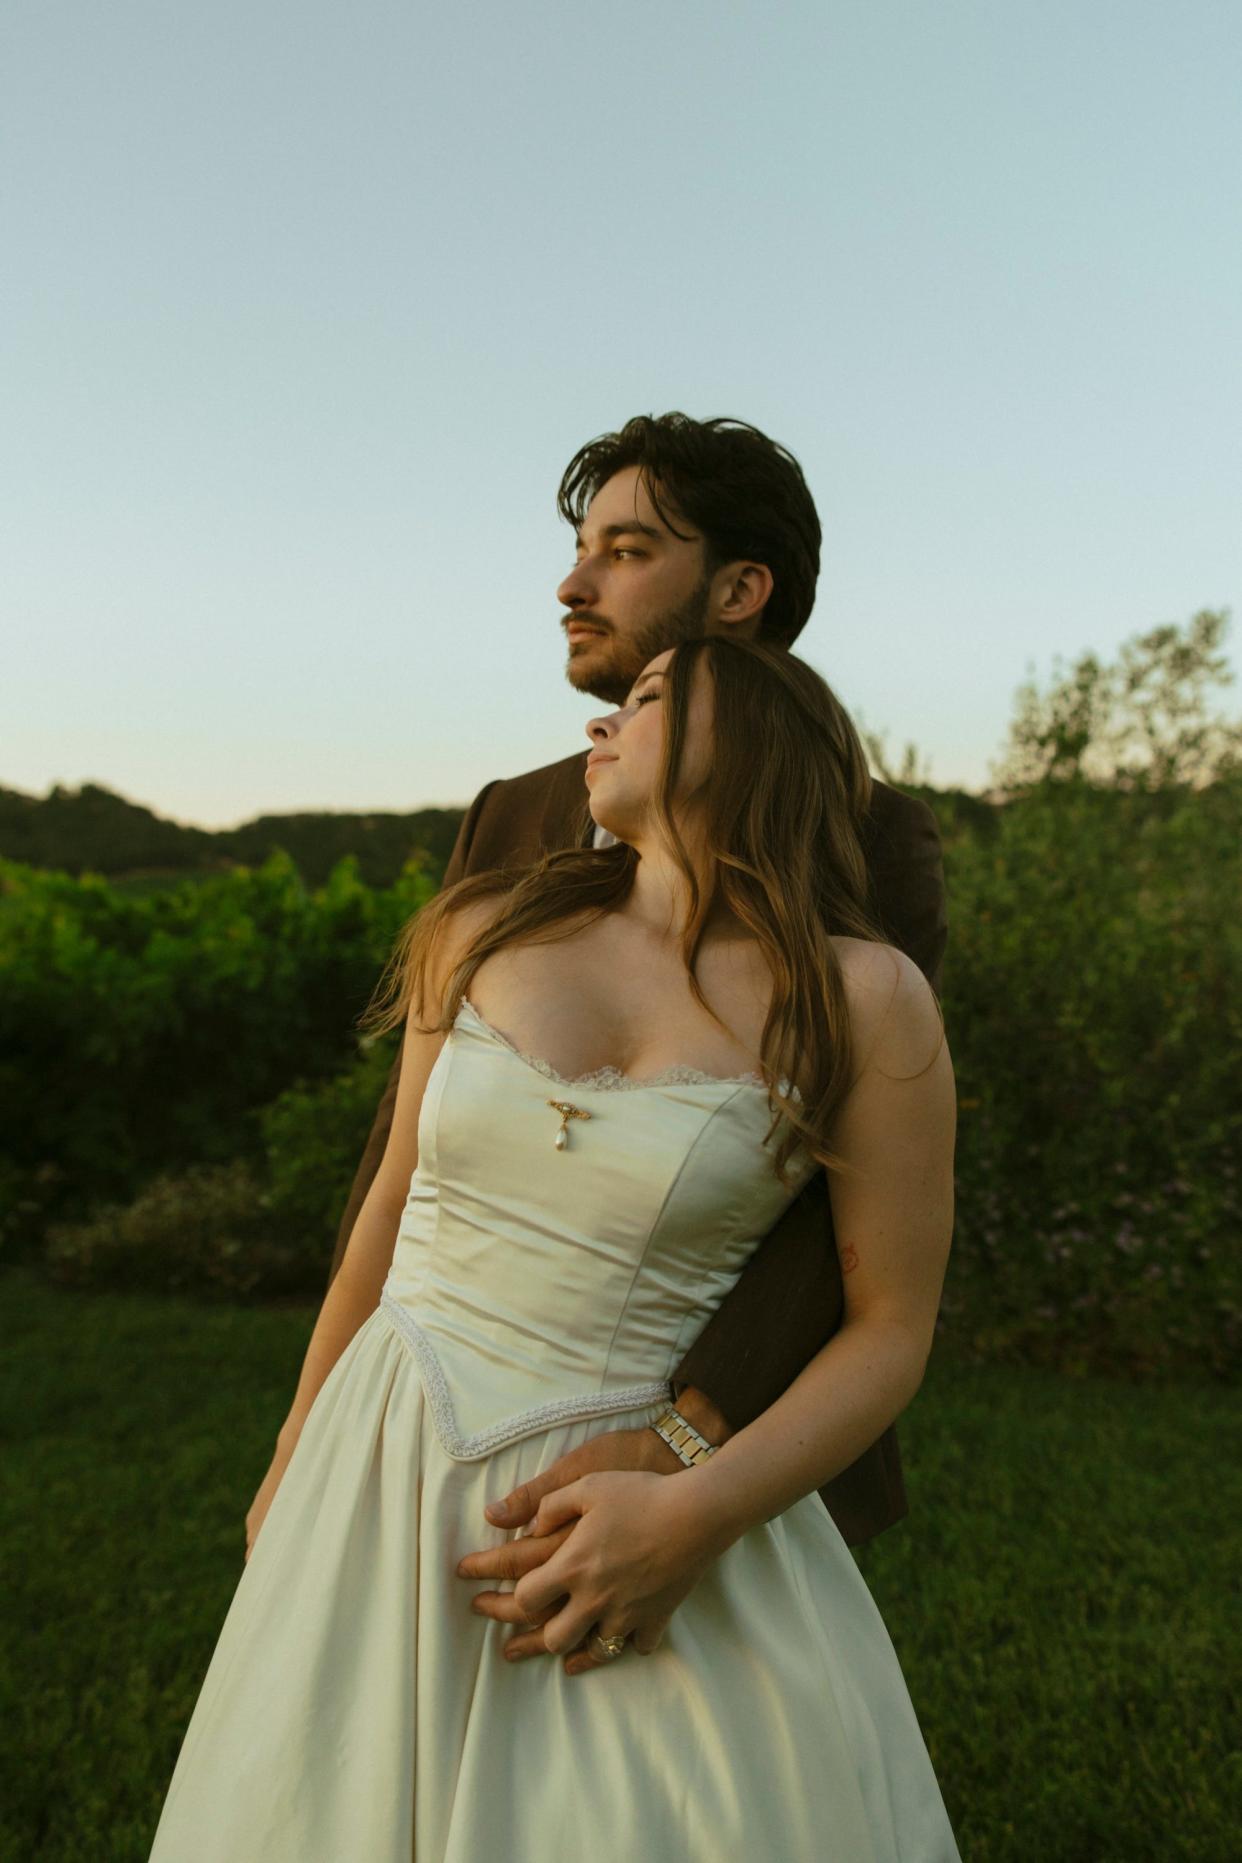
(894, 1013)
(463, 921)
(871, 970)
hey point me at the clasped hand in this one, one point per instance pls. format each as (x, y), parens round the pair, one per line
(612, 1545)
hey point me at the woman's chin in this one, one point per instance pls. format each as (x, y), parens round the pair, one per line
(611, 826)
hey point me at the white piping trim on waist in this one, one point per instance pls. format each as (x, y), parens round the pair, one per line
(509, 1429)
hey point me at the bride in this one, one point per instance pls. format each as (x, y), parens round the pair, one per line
(619, 1066)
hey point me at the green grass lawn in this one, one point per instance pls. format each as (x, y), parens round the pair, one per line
(1064, 1596)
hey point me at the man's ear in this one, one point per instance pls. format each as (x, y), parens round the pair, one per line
(741, 591)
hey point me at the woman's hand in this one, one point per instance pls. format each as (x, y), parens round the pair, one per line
(635, 1545)
(638, 1448)
(266, 1492)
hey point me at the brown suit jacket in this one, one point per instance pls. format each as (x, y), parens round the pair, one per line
(788, 1301)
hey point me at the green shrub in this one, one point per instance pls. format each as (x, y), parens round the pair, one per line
(239, 1229)
(314, 1137)
(141, 1034)
(206, 1230)
(1092, 996)
(1093, 1002)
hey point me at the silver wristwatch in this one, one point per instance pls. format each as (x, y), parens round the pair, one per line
(683, 1437)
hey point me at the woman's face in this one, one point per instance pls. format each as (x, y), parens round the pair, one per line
(627, 746)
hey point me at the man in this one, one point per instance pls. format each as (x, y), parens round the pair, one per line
(683, 528)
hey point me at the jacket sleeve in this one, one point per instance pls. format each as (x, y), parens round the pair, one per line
(906, 864)
(787, 1302)
(457, 866)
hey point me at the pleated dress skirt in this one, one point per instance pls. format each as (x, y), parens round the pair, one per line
(355, 1709)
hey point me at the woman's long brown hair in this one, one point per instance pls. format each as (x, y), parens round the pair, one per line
(783, 806)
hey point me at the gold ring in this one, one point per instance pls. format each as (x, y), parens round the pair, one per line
(605, 1649)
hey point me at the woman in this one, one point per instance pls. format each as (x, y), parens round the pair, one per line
(599, 1053)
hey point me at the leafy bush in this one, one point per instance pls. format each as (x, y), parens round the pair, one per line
(206, 1230)
(314, 1137)
(239, 1229)
(141, 1034)
(1093, 1000)
(94, 830)
(1092, 997)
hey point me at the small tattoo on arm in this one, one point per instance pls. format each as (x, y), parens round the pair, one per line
(849, 1258)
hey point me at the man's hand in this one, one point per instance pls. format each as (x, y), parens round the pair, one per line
(630, 1546)
(629, 1450)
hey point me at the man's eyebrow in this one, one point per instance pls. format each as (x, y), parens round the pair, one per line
(624, 530)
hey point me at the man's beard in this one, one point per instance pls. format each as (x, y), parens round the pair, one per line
(685, 622)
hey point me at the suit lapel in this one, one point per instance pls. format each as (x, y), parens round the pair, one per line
(564, 797)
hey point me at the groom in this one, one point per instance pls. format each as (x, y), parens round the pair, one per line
(682, 528)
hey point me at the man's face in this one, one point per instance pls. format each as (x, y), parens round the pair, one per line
(635, 589)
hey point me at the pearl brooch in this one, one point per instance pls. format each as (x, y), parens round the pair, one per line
(568, 1111)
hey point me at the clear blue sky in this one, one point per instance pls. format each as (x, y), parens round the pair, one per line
(306, 306)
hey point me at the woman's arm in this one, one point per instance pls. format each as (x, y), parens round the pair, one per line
(747, 1353)
(459, 863)
(355, 1290)
(348, 1302)
(893, 1218)
(353, 1295)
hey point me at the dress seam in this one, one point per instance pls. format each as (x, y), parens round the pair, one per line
(658, 1219)
(561, 1410)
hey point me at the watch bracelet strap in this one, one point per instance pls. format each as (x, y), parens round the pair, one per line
(682, 1437)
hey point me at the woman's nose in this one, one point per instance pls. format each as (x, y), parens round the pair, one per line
(599, 730)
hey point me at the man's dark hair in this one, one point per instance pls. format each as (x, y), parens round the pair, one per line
(744, 493)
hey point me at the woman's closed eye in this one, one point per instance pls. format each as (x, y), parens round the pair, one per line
(644, 696)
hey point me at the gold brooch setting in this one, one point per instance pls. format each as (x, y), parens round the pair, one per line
(568, 1111)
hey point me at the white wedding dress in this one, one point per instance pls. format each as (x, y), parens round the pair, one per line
(356, 1710)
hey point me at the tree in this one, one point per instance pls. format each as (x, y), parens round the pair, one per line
(1142, 724)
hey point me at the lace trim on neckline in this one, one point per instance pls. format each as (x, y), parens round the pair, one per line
(611, 1079)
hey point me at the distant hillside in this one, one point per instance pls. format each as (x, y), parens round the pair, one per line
(93, 829)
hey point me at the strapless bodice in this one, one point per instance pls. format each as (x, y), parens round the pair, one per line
(535, 1285)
